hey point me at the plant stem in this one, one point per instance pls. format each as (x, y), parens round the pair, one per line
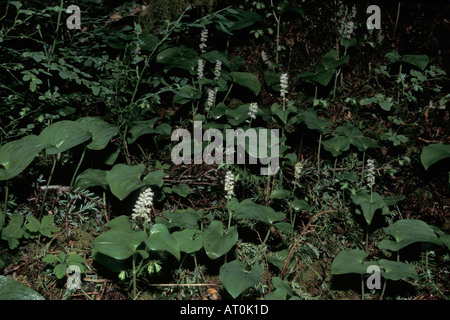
(5, 209)
(134, 275)
(318, 154)
(396, 19)
(384, 288)
(46, 188)
(76, 170)
(362, 287)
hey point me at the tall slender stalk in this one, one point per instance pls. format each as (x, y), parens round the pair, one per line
(46, 188)
(5, 207)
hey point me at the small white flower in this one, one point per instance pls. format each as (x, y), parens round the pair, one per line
(229, 184)
(266, 59)
(143, 206)
(370, 173)
(252, 110)
(283, 85)
(203, 39)
(298, 169)
(200, 68)
(217, 70)
(211, 98)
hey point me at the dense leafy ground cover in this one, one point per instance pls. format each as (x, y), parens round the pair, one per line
(94, 206)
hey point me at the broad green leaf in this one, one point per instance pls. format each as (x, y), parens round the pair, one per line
(236, 279)
(139, 128)
(120, 223)
(350, 261)
(63, 135)
(282, 115)
(16, 155)
(279, 194)
(154, 178)
(356, 137)
(248, 80)
(214, 55)
(394, 270)
(406, 232)
(216, 244)
(182, 190)
(102, 132)
(11, 289)
(189, 240)
(253, 211)
(331, 59)
(119, 244)
(418, 60)
(186, 219)
(320, 76)
(369, 204)
(313, 121)
(336, 145)
(434, 153)
(124, 179)
(161, 239)
(299, 205)
(179, 57)
(282, 290)
(185, 94)
(91, 178)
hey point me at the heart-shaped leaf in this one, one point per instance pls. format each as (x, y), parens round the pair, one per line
(216, 244)
(369, 204)
(186, 219)
(11, 289)
(124, 179)
(331, 59)
(336, 145)
(16, 155)
(236, 279)
(250, 210)
(91, 178)
(63, 135)
(434, 153)
(247, 80)
(161, 239)
(394, 270)
(406, 232)
(101, 131)
(350, 261)
(119, 243)
(189, 240)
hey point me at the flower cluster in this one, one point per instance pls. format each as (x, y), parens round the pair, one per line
(370, 173)
(284, 85)
(203, 39)
(266, 59)
(141, 210)
(217, 70)
(347, 26)
(253, 110)
(298, 169)
(211, 98)
(200, 68)
(229, 184)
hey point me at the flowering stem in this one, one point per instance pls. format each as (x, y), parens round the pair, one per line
(134, 275)
(46, 188)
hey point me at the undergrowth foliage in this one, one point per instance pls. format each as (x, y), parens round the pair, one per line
(94, 207)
